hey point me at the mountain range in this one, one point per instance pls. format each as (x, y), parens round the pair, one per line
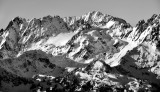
(95, 52)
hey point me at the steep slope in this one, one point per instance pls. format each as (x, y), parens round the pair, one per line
(145, 56)
(98, 51)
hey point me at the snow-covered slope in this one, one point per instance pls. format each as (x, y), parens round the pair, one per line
(92, 52)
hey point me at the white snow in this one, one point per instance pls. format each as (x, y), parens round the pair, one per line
(61, 39)
(84, 75)
(4, 38)
(144, 34)
(109, 24)
(86, 17)
(117, 56)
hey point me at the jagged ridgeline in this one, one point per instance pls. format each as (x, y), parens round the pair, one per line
(94, 52)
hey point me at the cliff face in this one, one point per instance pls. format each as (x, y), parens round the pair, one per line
(92, 52)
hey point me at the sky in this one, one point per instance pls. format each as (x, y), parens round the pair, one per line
(130, 10)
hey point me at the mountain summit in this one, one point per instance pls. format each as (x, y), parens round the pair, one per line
(94, 52)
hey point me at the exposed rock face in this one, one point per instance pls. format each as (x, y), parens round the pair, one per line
(94, 52)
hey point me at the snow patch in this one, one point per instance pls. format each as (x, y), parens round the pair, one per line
(109, 24)
(61, 39)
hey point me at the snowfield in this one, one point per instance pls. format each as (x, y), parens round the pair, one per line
(61, 39)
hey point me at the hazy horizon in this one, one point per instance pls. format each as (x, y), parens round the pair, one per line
(130, 10)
